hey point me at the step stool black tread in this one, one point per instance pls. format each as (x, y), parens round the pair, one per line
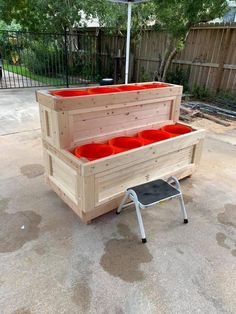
(154, 191)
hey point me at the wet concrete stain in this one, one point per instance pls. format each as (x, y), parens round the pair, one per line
(81, 291)
(221, 238)
(82, 295)
(16, 229)
(179, 251)
(123, 257)
(40, 250)
(32, 170)
(22, 311)
(117, 310)
(203, 291)
(4, 203)
(228, 217)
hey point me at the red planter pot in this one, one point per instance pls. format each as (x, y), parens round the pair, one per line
(124, 143)
(102, 90)
(130, 88)
(176, 129)
(93, 151)
(153, 85)
(70, 93)
(152, 136)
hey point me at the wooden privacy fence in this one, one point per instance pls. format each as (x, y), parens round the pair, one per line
(209, 56)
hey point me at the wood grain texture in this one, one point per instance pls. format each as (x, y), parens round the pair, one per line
(92, 188)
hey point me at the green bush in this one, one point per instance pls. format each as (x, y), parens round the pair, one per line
(200, 92)
(227, 95)
(43, 58)
(8, 45)
(179, 77)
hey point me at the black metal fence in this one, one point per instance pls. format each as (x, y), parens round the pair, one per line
(45, 59)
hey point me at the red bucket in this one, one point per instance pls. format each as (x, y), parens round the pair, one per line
(93, 151)
(124, 143)
(152, 136)
(103, 90)
(176, 129)
(154, 85)
(70, 93)
(130, 88)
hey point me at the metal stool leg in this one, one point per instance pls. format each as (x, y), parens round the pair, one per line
(139, 216)
(140, 222)
(183, 209)
(122, 203)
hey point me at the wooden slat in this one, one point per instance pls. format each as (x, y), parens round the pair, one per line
(73, 103)
(143, 153)
(113, 203)
(111, 184)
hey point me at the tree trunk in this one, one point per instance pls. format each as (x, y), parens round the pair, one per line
(171, 56)
(168, 57)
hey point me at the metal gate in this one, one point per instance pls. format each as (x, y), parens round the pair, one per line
(47, 59)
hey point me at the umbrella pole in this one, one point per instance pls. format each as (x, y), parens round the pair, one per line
(128, 43)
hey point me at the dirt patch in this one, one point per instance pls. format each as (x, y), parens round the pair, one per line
(179, 251)
(228, 217)
(82, 295)
(4, 203)
(18, 228)
(32, 170)
(123, 257)
(212, 126)
(40, 250)
(221, 238)
(22, 311)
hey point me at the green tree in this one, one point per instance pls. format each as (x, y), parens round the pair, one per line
(42, 15)
(176, 17)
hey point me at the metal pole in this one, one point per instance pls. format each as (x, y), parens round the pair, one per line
(128, 43)
(66, 57)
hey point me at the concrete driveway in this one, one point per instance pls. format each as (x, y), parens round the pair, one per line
(13, 80)
(52, 263)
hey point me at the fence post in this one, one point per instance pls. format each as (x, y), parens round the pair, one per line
(66, 57)
(99, 56)
(224, 49)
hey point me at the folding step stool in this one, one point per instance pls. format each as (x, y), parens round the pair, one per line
(152, 193)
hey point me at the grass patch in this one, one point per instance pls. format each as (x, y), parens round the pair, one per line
(21, 70)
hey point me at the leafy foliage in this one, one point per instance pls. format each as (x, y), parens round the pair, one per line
(200, 92)
(42, 58)
(179, 77)
(175, 17)
(42, 15)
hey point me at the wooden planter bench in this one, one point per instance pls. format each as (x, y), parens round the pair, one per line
(92, 188)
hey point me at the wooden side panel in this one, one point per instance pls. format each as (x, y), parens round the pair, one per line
(197, 152)
(115, 201)
(94, 188)
(44, 98)
(101, 100)
(55, 127)
(64, 177)
(142, 154)
(46, 123)
(112, 184)
(103, 124)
